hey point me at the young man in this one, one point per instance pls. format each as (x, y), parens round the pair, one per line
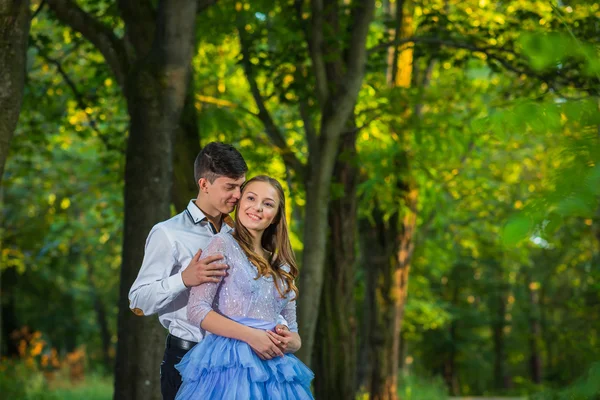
(172, 262)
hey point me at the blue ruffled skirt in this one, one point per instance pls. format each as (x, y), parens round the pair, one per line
(222, 368)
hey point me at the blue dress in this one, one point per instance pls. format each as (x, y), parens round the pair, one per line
(223, 368)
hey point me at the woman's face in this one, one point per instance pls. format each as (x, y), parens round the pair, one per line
(258, 206)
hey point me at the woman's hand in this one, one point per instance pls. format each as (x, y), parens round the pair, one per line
(286, 341)
(262, 344)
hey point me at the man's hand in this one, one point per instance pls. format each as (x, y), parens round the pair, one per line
(288, 342)
(203, 271)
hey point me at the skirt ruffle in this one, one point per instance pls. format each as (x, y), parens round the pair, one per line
(222, 368)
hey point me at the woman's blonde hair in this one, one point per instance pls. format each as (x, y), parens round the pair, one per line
(275, 240)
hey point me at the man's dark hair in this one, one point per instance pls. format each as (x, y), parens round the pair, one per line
(219, 159)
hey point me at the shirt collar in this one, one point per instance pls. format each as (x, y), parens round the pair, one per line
(195, 213)
(197, 216)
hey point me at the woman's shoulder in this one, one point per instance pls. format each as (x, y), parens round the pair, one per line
(221, 241)
(285, 268)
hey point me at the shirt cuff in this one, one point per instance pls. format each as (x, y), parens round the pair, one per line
(176, 284)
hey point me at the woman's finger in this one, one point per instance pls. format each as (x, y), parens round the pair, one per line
(276, 350)
(275, 341)
(277, 337)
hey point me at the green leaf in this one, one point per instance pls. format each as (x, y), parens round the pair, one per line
(516, 229)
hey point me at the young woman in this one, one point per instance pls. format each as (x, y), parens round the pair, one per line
(243, 358)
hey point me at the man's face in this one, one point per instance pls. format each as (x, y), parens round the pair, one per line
(224, 193)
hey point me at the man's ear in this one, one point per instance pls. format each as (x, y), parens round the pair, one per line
(203, 185)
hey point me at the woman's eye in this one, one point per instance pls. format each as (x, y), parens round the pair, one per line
(250, 197)
(269, 205)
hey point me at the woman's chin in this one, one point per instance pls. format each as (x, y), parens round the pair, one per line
(254, 226)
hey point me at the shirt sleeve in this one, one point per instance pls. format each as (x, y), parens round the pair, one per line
(156, 285)
(202, 296)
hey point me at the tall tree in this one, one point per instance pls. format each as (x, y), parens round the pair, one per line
(390, 228)
(335, 34)
(335, 355)
(14, 32)
(151, 65)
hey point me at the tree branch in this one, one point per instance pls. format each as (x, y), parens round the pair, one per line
(79, 98)
(223, 103)
(399, 15)
(315, 48)
(491, 53)
(312, 139)
(100, 35)
(338, 107)
(362, 14)
(42, 4)
(271, 128)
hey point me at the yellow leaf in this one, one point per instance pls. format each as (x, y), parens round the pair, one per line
(104, 238)
(67, 36)
(65, 203)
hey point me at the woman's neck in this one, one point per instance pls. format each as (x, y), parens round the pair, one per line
(257, 242)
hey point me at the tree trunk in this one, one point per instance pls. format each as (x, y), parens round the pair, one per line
(101, 318)
(151, 65)
(155, 93)
(186, 148)
(335, 344)
(400, 231)
(405, 241)
(338, 83)
(379, 261)
(450, 368)
(498, 324)
(313, 255)
(10, 323)
(535, 334)
(14, 32)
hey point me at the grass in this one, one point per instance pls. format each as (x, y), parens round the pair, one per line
(412, 387)
(93, 388)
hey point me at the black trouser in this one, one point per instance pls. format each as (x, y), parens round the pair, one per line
(170, 379)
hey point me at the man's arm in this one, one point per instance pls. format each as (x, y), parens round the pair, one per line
(155, 286)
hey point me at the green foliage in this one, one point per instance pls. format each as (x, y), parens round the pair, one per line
(498, 132)
(17, 381)
(413, 387)
(585, 388)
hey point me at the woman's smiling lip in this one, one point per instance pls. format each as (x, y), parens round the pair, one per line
(253, 216)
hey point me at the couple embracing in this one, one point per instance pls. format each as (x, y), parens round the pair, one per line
(225, 290)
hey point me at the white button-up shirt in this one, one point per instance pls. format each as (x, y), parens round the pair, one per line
(159, 287)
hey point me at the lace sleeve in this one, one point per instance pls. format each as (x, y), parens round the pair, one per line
(202, 296)
(289, 311)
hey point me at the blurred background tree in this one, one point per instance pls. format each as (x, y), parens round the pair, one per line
(441, 159)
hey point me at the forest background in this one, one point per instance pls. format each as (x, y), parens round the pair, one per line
(441, 159)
